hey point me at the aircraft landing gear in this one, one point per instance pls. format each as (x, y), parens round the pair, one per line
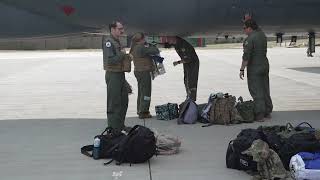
(279, 38)
(309, 54)
(293, 41)
(311, 44)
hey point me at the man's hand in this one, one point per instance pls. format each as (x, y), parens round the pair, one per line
(176, 63)
(241, 74)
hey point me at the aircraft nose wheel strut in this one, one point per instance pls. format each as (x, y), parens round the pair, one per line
(311, 44)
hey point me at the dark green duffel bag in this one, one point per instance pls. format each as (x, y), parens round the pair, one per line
(246, 110)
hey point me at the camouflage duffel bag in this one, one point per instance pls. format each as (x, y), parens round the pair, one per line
(167, 111)
(222, 111)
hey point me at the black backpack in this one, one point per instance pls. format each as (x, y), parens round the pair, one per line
(234, 157)
(288, 140)
(303, 142)
(137, 147)
(108, 139)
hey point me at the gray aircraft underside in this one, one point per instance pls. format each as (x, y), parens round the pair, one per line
(35, 18)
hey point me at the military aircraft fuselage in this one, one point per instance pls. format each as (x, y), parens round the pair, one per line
(158, 17)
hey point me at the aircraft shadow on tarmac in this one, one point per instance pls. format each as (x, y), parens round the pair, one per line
(308, 69)
(51, 148)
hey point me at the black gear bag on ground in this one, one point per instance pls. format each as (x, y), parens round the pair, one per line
(108, 139)
(234, 157)
(288, 140)
(302, 142)
(137, 147)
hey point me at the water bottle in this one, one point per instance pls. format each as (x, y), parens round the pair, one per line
(96, 148)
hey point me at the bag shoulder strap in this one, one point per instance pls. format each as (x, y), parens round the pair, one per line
(86, 149)
(306, 123)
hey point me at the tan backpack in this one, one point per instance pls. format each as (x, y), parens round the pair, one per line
(222, 110)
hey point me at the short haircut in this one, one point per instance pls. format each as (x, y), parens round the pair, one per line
(113, 25)
(250, 23)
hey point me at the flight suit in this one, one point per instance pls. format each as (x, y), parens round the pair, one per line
(117, 94)
(190, 67)
(255, 52)
(143, 66)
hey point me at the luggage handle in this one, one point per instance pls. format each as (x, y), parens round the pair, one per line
(108, 130)
(231, 144)
(289, 127)
(133, 129)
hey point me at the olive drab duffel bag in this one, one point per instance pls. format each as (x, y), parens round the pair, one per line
(246, 110)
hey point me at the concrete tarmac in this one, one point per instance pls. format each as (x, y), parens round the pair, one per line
(54, 102)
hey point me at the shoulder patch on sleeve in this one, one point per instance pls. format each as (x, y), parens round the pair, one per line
(108, 44)
(246, 43)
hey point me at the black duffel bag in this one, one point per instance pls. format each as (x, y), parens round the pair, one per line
(234, 157)
(108, 139)
(136, 147)
(288, 140)
(302, 142)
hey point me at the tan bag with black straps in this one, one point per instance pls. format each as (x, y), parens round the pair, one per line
(222, 111)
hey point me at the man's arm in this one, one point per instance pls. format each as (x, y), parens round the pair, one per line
(244, 64)
(247, 53)
(247, 49)
(179, 62)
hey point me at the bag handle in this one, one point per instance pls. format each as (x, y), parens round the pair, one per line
(231, 144)
(133, 129)
(85, 150)
(108, 130)
(299, 125)
(289, 127)
(109, 162)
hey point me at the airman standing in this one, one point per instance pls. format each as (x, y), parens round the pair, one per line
(114, 58)
(255, 59)
(143, 66)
